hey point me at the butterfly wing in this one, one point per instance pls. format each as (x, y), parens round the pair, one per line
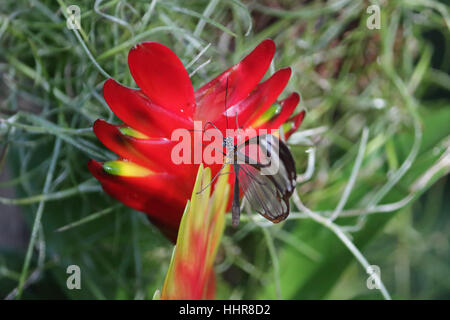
(267, 175)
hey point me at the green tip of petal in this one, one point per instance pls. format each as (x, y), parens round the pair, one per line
(133, 133)
(125, 169)
(267, 115)
(287, 126)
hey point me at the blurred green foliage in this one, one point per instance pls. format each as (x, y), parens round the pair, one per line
(393, 81)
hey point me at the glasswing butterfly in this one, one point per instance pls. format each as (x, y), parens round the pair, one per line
(264, 170)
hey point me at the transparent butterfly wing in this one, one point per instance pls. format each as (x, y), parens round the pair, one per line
(262, 194)
(267, 175)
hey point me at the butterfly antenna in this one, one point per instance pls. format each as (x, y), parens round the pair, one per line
(226, 95)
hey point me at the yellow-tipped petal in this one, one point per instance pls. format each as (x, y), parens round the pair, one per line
(267, 115)
(133, 133)
(125, 169)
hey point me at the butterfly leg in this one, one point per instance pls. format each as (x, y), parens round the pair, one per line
(213, 179)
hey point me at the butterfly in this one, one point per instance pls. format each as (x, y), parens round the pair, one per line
(264, 170)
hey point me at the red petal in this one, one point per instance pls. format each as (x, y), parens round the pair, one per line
(297, 121)
(267, 93)
(259, 100)
(160, 196)
(242, 79)
(137, 111)
(151, 153)
(157, 182)
(162, 77)
(287, 107)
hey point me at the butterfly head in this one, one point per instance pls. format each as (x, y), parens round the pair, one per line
(228, 143)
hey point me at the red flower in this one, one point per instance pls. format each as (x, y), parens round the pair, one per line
(144, 176)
